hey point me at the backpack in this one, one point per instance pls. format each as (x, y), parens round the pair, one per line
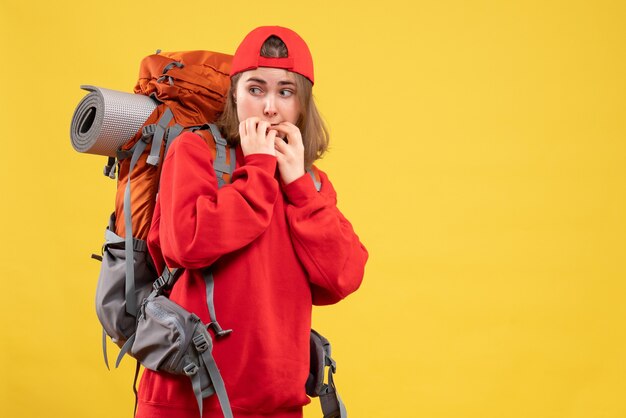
(175, 92)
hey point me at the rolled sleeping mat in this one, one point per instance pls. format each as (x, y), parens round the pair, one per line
(104, 120)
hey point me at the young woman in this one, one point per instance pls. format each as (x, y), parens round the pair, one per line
(275, 245)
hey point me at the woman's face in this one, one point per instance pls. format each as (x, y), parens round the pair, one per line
(269, 94)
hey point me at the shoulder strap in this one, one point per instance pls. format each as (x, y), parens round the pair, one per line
(220, 165)
(208, 362)
(131, 307)
(157, 132)
(159, 135)
(316, 180)
(209, 284)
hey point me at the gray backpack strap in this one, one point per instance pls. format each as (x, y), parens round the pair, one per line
(131, 307)
(109, 168)
(125, 349)
(318, 185)
(207, 362)
(196, 385)
(165, 281)
(159, 134)
(219, 164)
(172, 133)
(233, 160)
(209, 284)
(202, 346)
(104, 348)
(332, 405)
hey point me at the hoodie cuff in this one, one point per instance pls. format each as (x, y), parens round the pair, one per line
(265, 162)
(301, 190)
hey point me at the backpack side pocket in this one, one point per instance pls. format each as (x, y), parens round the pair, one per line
(111, 290)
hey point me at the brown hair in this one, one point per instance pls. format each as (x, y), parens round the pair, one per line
(313, 129)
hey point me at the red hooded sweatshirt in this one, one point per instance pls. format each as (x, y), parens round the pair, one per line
(275, 250)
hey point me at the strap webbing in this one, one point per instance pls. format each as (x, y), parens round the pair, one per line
(109, 169)
(233, 160)
(131, 306)
(218, 383)
(332, 405)
(157, 139)
(318, 185)
(209, 285)
(104, 348)
(125, 349)
(220, 156)
(172, 133)
(219, 164)
(197, 389)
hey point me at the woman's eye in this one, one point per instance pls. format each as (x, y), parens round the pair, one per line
(286, 93)
(255, 90)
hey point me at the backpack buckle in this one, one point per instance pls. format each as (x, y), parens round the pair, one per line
(148, 131)
(159, 283)
(201, 343)
(190, 369)
(109, 168)
(218, 330)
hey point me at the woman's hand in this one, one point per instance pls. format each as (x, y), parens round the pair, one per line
(289, 154)
(256, 137)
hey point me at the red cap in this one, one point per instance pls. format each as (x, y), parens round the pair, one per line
(248, 55)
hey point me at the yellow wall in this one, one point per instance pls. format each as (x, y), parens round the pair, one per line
(478, 148)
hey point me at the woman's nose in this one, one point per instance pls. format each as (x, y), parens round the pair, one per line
(270, 107)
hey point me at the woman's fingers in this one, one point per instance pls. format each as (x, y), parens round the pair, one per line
(256, 137)
(262, 128)
(290, 131)
(290, 154)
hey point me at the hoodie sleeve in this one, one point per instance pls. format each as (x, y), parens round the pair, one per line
(324, 240)
(198, 222)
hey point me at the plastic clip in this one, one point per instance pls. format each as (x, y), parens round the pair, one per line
(148, 131)
(201, 343)
(217, 329)
(159, 283)
(109, 168)
(191, 369)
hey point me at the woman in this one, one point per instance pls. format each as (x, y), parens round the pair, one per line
(275, 245)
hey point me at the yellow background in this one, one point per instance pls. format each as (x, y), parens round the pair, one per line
(478, 148)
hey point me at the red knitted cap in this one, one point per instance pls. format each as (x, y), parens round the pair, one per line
(248, 55)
